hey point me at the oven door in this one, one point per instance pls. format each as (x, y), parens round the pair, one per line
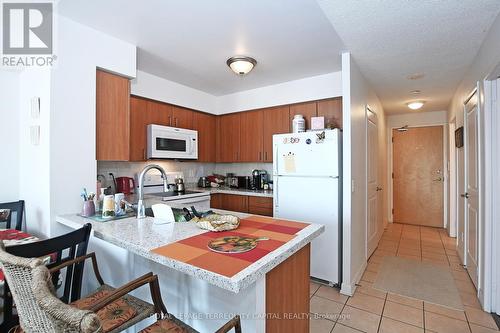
(170, 142)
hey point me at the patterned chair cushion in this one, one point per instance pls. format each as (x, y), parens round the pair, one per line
(170, 324)
(112, 315)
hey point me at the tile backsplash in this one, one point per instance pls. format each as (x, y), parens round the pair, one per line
(191, 170)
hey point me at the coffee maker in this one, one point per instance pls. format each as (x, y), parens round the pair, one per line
(259, 178)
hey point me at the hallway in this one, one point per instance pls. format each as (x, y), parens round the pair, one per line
(371, 310)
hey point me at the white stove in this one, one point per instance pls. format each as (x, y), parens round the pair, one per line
(153, 186)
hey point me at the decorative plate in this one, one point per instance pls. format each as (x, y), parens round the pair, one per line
(234, 244)
(216, 222)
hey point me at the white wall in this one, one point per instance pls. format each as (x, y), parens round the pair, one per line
(308, 89)
(357, 94)
(157, 88)
(487, 59)
(9, 133)
(34, 164)
(72, 139)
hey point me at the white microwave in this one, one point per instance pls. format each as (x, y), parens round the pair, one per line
(172, 142)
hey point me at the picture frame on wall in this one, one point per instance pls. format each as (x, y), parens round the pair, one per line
(459, 137)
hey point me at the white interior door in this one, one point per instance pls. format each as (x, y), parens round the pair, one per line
(452, 207)
(460, 183)
(373, 227)
(471, 195)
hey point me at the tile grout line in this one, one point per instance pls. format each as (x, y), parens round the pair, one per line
(382, 314)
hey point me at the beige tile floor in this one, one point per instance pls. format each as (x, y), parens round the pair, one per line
(371, 310)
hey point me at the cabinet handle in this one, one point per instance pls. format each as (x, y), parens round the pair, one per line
(175, 122)
(265, 155)
(169, 121)
(260, 156)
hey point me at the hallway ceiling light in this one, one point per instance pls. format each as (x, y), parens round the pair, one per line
(241, 65)
(415, 105)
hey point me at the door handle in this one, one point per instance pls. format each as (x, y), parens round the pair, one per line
(465, 195)
(378, 188)
(437, 179)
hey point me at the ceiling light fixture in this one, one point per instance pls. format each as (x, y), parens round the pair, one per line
(415, 76)
(415, 105)
(241, 65)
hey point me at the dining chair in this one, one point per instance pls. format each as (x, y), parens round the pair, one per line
(55, 251)
(105, 310)
(15, 208)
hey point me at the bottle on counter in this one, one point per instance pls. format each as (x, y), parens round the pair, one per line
(99, 200)
(108, 206)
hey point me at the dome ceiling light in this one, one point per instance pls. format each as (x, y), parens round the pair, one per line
(415, 105)
(241, 65)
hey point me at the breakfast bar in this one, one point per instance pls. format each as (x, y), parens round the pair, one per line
(268, 285)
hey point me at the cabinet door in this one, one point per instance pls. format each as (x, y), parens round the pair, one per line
(138, 121)
(251, 136)
(260, 206)
(276, 121)
(228, 138)
(216, 201)
(112, 117)
(182, 117)
(308, 110)
(205, 125)
(235, 203)
(331, 109)
(159, 113)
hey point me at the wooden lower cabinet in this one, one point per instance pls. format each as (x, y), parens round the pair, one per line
(260, 206)
(242, 203)
(287, 294)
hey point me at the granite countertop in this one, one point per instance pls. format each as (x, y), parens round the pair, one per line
(141, 236)
(231, 190)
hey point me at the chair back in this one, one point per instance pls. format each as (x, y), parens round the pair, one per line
(61, 249)
(32, 291)
(16, 209)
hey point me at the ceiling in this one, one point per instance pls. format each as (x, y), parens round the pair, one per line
(189, 41)
(391, 39)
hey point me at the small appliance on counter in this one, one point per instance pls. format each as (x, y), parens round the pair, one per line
(125, 185)
(259, 178)
(230, 180)
(244, 182)
(203, 182)
(179, 185)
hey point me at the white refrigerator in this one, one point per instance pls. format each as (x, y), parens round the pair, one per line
(307, 187)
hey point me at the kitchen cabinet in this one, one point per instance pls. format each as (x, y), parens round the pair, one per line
(260, 206)
(276, 121)
(205, 125)
(232, 202)
(112, 117)
(251, 136)
(228, 138)
(308, 110)
(331, 109)
(182, 117)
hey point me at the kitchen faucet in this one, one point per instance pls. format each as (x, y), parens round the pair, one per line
(141, 210)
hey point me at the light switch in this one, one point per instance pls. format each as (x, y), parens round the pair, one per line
(35, 135)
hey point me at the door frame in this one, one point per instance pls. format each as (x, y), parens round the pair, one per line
(367, 156)
(489, 270)
(452, 180)
(445, 174)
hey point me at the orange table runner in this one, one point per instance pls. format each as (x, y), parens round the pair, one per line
(194, 250)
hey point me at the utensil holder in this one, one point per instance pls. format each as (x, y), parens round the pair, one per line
(88, 208)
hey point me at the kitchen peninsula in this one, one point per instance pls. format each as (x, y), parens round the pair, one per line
(267, 286)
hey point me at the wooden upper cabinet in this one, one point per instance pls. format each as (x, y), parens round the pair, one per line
(182, 117)
(276, 121)
(112, 117)
(331, 109)
(251, 136)
(138, 122)
(205, 125)
(307, 109)
(159, 113)
(228, 138)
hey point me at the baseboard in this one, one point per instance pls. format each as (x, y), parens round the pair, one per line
(348, 288)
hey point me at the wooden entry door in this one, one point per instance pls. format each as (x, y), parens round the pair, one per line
(418, 176)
